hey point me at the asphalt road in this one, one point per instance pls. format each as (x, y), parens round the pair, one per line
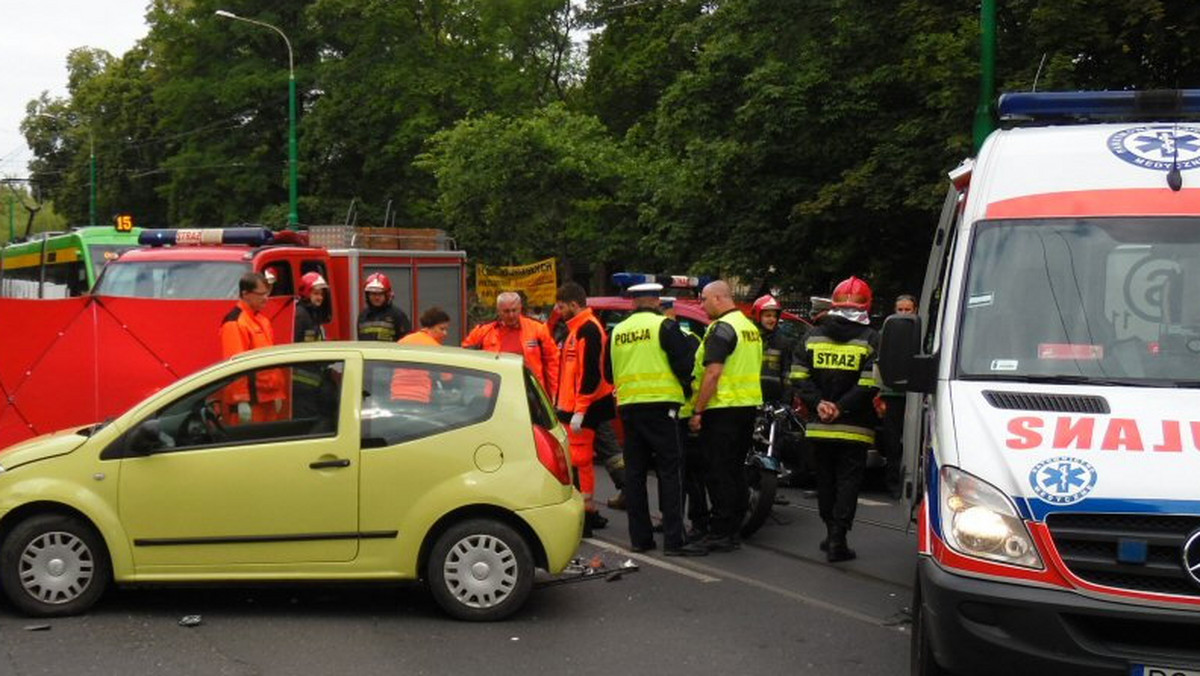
(773, 607)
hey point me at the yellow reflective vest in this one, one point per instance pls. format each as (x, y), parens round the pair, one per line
(641, 371)
(739, 384)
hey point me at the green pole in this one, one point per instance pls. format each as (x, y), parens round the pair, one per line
(91, 179)
(293, 211)
(985, 118)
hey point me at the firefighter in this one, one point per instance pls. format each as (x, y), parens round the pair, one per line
(312, 310)
(652, 377)
(833, 373)
(514, 332)
(260, 398)
(727, 369)
(583, 398)
(380, 319)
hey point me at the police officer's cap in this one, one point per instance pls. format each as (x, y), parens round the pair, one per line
(645, 290)
(667, 302)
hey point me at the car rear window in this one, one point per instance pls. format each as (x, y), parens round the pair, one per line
(403, 401)
(541, 412)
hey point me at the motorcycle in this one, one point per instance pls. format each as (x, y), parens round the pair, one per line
(774, 426)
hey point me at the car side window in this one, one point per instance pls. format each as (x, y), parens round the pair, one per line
(403, 401)
(292, 401)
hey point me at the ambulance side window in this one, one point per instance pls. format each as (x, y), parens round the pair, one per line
(938, 272)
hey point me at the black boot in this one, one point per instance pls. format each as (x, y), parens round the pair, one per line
(838, 549)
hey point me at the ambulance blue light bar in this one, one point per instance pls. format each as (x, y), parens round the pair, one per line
(206, 236)
(1126, 105)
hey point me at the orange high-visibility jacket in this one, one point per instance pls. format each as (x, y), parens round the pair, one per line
(244, 329)
(537, 347)
(582, 379)
(414, 384)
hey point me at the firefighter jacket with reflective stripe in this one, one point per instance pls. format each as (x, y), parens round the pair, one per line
(836, 362)
(309, 323)
(739, 384)
(244, 329)
(777, 363)
(387, 323)
(641, 364)
(583, 385)
(537, 347)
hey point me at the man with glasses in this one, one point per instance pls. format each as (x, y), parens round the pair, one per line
(246, 328)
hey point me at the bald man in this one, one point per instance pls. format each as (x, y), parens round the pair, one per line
(727, 370)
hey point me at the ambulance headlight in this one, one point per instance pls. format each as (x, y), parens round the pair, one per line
(980, 521)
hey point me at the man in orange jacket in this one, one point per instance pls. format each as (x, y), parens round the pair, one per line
(514, 332)
(260, 399)
(584, 396)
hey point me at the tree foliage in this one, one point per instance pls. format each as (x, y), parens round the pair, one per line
(795, 142)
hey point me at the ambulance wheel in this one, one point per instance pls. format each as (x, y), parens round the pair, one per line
(480, 570)
(53, 565)
(921, 659)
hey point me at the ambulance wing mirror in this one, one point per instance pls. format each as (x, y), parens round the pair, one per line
(901, 363)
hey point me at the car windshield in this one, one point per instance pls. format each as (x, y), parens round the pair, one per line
(1104, 300)
(191, 280)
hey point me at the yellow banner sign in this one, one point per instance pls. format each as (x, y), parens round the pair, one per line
(538, 280)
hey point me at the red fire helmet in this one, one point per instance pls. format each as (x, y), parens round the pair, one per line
(311, 281)
(852, 293)
(378, 282)
(766, 302)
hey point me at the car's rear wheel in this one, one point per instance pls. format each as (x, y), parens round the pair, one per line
(53, 565)
(480, 570)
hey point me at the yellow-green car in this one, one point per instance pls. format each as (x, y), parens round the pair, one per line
(334, 461)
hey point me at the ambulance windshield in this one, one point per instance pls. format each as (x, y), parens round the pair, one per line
(1098, 299)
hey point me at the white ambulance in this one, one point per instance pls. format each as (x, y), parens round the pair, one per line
(1054, 395)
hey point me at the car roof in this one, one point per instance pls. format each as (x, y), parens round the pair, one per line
(442, 354)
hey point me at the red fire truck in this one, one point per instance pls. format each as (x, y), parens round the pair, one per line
(155, 312)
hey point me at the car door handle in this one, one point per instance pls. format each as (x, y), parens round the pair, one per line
(329, 464)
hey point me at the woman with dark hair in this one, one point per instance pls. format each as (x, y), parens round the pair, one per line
(416, 384)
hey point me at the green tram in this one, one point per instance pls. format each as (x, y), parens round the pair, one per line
(61, 264)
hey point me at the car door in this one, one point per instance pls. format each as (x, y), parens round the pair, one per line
(226, 484)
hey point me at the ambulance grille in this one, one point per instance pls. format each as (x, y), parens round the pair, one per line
(1039, 401)
(1089, 545)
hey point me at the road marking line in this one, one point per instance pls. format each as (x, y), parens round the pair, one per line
(873, 503)
(650, 560)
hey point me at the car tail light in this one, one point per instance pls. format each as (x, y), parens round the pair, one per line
(551, 455)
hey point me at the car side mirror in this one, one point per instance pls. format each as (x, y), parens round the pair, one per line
(901, 363)
(146, 437)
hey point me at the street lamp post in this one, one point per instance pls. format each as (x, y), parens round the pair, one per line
(91, 169)
(293, 212)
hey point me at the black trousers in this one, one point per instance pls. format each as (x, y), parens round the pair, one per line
(893, 441)
(725, 437)
(652, 435)
(695, 468)
(839, 468)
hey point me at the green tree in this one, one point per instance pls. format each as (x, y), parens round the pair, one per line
(548, 183)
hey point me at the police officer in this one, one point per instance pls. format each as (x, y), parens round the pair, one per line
(727, 368)
(652, 375)
(833, 372)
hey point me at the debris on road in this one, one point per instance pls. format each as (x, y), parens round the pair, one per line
(190, 621)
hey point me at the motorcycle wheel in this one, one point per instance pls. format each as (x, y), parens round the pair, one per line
(763, 483)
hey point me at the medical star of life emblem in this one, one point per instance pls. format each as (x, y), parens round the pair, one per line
(1157, 147)
(1063, 480)
(1191, 556)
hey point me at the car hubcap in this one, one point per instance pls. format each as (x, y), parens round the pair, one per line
(481, 571)
(56, 567)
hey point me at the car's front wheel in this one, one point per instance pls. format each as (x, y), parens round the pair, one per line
(53, 565)
(480, 570)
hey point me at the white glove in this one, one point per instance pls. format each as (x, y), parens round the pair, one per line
(243, 409)
(577, 423)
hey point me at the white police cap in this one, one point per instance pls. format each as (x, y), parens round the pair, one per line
(645, 290)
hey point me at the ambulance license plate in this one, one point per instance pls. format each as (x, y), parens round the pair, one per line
(1153, 670)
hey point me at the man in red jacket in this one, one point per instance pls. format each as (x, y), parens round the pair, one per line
(515, 333)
